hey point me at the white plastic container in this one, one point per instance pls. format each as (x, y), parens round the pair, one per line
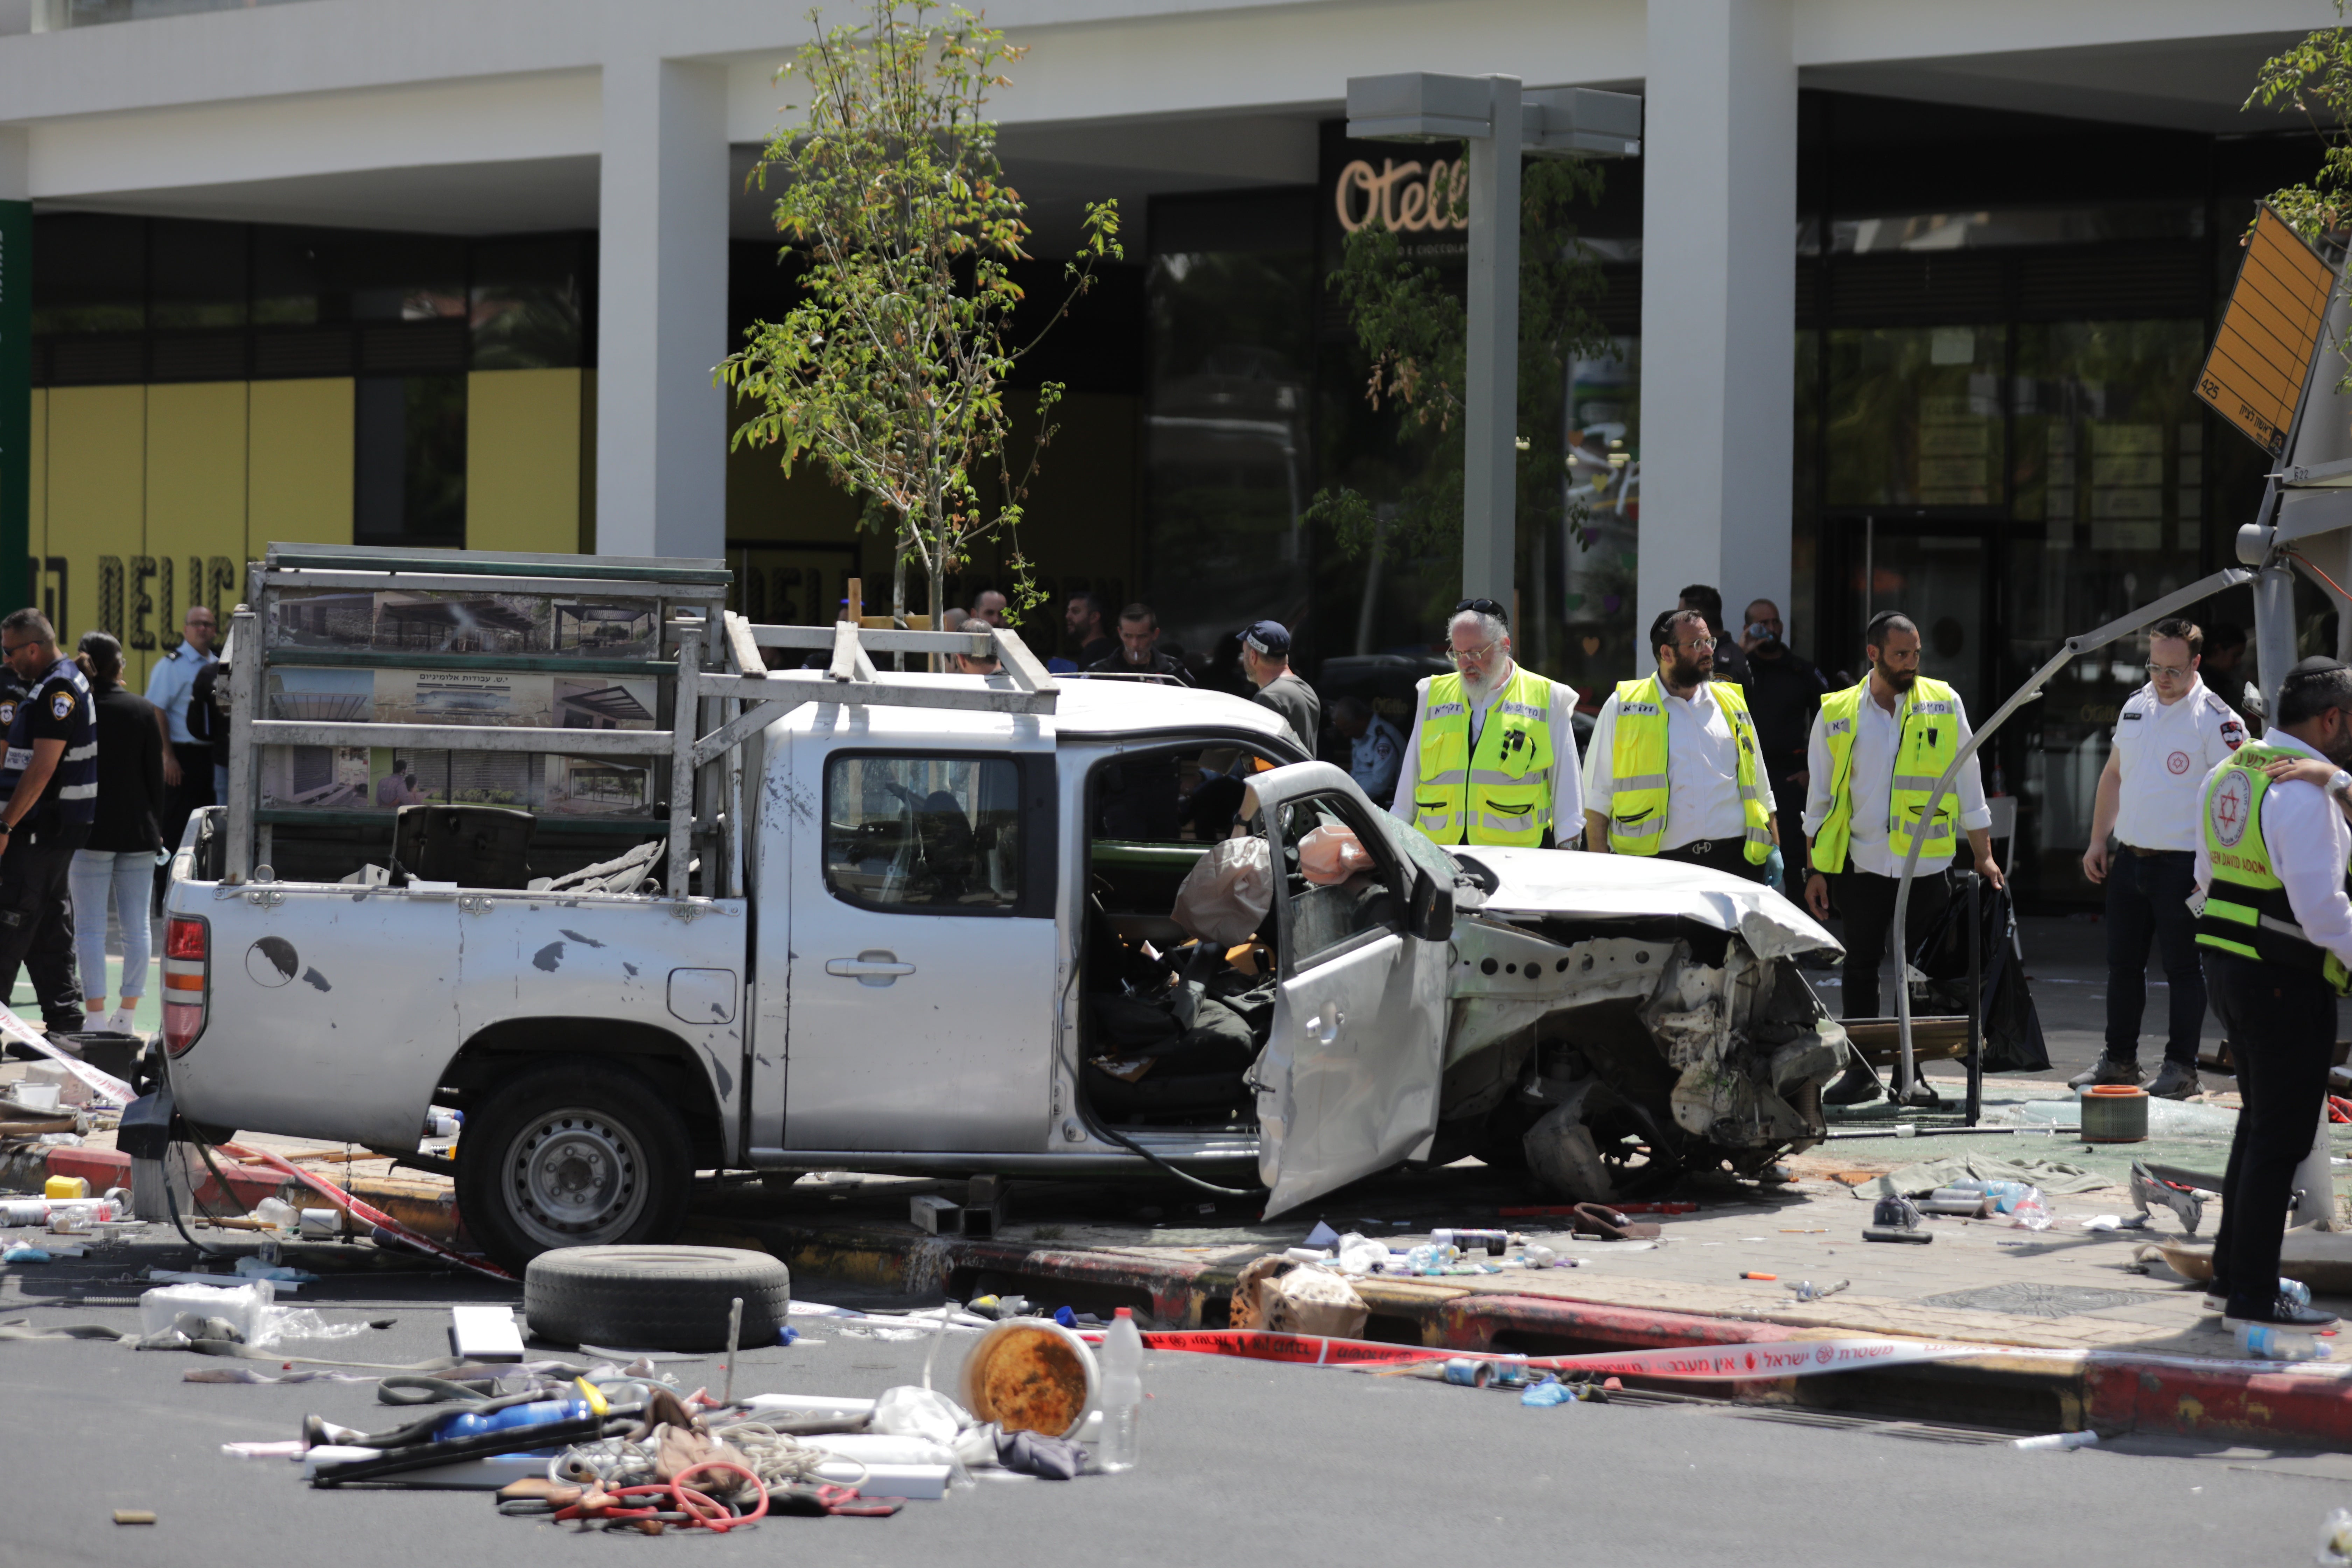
(246, 1306)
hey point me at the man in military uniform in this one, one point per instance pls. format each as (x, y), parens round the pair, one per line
(1676, 769)
(49, 780)
(2274, 858)
(1492, 756)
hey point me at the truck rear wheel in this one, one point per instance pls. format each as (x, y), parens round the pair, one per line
(573, 1155)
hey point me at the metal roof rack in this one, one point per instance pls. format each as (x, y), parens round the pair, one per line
(716, 693)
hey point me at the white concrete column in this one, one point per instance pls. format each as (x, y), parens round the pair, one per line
(1718, 302)
(661, 317)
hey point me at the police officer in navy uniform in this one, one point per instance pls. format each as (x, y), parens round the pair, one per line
(50, 781)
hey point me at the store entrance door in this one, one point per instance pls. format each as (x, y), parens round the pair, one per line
(1933, 569)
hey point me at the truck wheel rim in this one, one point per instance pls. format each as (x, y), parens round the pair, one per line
(576, 1179)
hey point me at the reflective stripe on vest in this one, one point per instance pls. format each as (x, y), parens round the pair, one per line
(76, 778)
(1927, 742)
(2246, 909)
(1502, 792)
(1639, 761)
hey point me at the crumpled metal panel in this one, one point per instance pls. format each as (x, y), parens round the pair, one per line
(1502, 977)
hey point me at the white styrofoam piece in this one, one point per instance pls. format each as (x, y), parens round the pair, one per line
(916, 1483)
(485, 1333)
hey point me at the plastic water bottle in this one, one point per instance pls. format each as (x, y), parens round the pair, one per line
(2264, 1342)
(2296, 1290)
(1122, 1392)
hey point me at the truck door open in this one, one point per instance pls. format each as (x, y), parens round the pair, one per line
(1347, 1084)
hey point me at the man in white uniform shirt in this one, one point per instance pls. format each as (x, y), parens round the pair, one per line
(2170, 735)
(1708, 744)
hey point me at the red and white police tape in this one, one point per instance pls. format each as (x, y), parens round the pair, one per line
(1712, 1364)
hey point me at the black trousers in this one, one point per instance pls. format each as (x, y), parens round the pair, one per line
(36, 928)
(2282, 1025)
(1866, 901)
(2147, 903)
(1717, 855)
(180, 801)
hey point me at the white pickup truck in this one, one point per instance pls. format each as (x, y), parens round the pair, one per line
(929, 930)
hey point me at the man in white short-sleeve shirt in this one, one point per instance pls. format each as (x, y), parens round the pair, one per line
(2170, 735)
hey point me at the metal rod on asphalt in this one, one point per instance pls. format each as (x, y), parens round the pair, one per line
(734, 1348)
(1976, 996)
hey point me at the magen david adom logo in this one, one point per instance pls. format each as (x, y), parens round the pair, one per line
(2232, 807)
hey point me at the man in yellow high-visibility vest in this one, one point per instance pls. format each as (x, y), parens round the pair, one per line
(1674, 770)
(1492, 756)
(2272, 857)
(1877, 750)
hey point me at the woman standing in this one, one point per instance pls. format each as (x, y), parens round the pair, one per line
(120, 854)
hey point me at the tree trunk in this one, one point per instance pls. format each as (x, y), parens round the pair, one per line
(898, 596)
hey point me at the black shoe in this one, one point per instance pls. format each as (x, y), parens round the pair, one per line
(2278, 1312)
(2108, 1071)
(1860, 1086)
(2174, 1081)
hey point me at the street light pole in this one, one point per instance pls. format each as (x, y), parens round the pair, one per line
(1500, 123)
(1491, 395)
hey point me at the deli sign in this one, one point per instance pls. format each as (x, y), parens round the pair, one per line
(1408, 197)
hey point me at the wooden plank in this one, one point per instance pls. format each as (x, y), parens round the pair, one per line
(2261, 359)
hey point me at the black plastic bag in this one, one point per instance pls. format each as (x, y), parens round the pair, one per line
(2012, 1030)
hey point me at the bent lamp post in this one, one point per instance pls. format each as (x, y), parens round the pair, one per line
(1499, 121)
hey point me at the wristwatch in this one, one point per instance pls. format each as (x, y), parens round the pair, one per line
(2340, 786)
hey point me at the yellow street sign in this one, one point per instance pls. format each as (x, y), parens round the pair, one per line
(2261, 356)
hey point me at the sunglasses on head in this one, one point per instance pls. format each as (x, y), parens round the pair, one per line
(1483, 607)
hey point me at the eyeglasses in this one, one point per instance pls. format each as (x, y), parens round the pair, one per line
(1694, 647)
(1485, 607)
(11, 652)
(2170, 671)
(1478, 655)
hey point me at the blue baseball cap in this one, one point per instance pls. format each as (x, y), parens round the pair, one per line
(1268, 638)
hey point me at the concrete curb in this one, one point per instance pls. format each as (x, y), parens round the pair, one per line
(2115, 1393)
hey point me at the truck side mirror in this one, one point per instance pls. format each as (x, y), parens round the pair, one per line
(1429, 913)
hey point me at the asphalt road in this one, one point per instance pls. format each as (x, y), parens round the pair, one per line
(1243, 1462)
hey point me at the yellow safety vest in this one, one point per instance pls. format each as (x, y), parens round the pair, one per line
(2246, 911)
(1639, 760)
(1502, 793)
(1927, 741)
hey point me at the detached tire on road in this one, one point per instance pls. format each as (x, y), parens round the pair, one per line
(573, 1154)
(654, 1298)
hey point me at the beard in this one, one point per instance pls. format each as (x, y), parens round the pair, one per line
(1900, 679)
(1477, 683)
(1690, 671)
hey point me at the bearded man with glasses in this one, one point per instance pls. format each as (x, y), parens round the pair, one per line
(1492, 756)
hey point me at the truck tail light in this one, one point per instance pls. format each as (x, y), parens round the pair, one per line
(187, 954)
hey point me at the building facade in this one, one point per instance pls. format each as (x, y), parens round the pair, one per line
(1901, 307)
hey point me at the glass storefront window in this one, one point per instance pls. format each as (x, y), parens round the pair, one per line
(89, 274)
(2110, 476)
(1228, 439)
(526, 302)
(1915, 416)
(410, 460)
(199, 274)
(1595, 643)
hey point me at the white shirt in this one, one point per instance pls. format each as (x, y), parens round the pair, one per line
(2164, 750)
(169, 684)
(1702, 768)
(1872, 785)
(2308, 843)
(1567, 790)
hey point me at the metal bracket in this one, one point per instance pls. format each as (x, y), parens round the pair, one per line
(473, 904)
(265, 898)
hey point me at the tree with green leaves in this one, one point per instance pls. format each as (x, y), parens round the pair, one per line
(890, 374)
(1410, 319)
(2315, 79)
